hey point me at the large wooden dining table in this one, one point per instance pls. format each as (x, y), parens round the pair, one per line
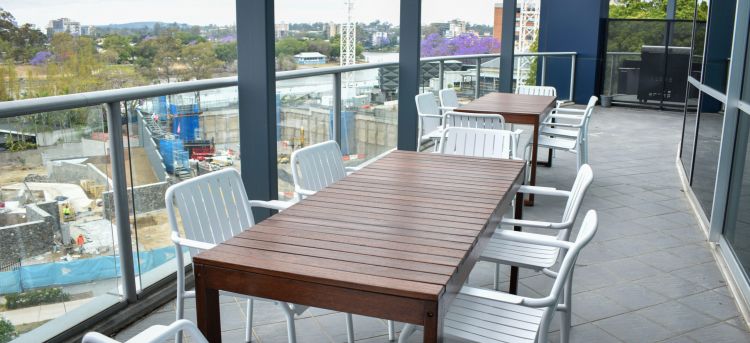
(396, 240)
(517, 109)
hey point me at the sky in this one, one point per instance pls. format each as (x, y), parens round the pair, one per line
(222, 12)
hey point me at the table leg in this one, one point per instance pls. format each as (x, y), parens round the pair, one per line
(534, 152)
(432, 325)
(207, 308)
(513, 287)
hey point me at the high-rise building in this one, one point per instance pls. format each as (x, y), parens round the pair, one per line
(67, 25)
(333, 29)
(527, 23)
(380, 38)
(455, 28)
(281, 30)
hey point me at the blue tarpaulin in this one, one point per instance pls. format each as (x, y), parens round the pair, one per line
(78, 271)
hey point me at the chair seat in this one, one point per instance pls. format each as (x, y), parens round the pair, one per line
(546, 130)
(524, 255)
(557, 143)
(434, 134)
(483, 320)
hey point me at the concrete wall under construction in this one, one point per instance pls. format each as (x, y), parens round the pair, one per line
(34, 237)
(148, 198)
(68, 172)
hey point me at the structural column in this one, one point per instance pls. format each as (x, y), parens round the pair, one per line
(257, 99)
(408, 73)
(507, 43)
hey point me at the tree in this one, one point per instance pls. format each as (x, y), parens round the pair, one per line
(226, 52)
(7, 331)
(657, 9)
(463, 44)
(290, 46)
(18, 43)
(200, 60)
(120, 47)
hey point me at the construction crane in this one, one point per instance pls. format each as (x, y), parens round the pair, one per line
(348, 54)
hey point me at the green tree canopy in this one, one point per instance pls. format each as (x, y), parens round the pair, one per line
(656, 9)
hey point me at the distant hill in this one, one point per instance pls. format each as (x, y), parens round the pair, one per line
(140, 25)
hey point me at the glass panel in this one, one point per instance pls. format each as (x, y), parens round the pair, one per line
(635, 60)
(746, 79)
(171, 139)
(57, 245)
(304, 116)
(708, 139)
(699, 39)
(737, 228)
(688, 130)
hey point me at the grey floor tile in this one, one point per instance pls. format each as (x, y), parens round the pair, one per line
(593, 306)
(586, 333)
(630, 327)
(720, 333)
(671, 286)
(706, 275)
(713, 304)
(364, 327)
(677, 317)
(308, 331)
(632, 295)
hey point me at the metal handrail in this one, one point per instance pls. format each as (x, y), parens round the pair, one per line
(62, 102)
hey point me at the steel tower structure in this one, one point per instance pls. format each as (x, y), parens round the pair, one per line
(348, 54)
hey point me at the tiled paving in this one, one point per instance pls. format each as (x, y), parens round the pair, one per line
(648, 276)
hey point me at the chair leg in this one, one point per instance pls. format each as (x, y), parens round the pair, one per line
(497, 277)
(391, 331)
(180, 312)
(567, 315)
(249, 321)
(406, 332)
(290, 328)
(349, 328)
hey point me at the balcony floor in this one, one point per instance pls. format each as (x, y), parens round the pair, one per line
(649, 274)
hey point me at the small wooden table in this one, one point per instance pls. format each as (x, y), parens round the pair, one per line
(395, 240)
(517, 109)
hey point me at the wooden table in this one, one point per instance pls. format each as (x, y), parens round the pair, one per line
(517, 109)
(395, 240)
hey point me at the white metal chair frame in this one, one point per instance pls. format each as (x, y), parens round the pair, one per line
(575, 125)
(430, 117)
(476, 142)
(475, 312)
(448, 99)
(575, 138)
(531, 256)
(154, 334)
(314, 168)
(214, 208)
(474, 120)
(539, 90)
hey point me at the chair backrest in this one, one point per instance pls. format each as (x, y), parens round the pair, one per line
(585, 235)
(317, 166)
(589, 111)
(474, 120)
(479, 142)
(536, 90)
(448, 98)
(213, 207)
(584, 178)
(426, 104)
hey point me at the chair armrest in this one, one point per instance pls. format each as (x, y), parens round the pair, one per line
(95, 337)
(539, 190)
(565, 116)
(302, 191)
(493, 295)
(569, 110)
(272, 204)
(448, 108)
(532, 238)
(350, 170)
(431, 115)
(191, 243)
(526, 223)
(547, 123)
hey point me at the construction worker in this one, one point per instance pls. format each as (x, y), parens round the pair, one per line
(66, 210)
(79, 241)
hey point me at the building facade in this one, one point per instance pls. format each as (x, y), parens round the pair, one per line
(310, 58)
(66, 25)
(714, 155)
